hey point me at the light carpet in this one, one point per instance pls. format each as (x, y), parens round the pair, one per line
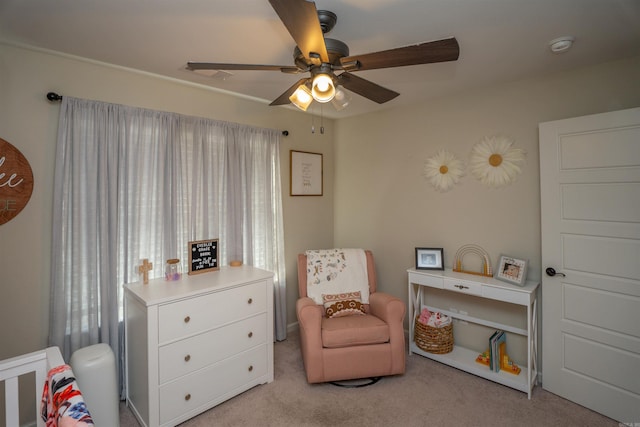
(428, 394)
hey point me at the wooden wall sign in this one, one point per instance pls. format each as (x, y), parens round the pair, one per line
(203, 256)
(16, 181)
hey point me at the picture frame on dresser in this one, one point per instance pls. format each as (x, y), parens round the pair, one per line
(429, 259)
(512, 270)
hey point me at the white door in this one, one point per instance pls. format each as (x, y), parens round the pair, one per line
(590, 214)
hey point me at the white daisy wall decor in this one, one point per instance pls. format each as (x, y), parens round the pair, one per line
(494, 161)
(443, 170)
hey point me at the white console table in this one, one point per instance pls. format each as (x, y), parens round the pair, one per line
(196, 342)
(482, 288)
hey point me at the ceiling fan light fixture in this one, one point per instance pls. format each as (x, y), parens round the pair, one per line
(302, 97)
(341, 99)
(322, 88)
(329, 62)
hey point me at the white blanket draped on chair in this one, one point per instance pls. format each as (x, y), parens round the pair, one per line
(335, 271)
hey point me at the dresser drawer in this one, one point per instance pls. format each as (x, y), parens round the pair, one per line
(212, 383)
(425, 280)
(185, 356)
(195, 315)
(471, 288)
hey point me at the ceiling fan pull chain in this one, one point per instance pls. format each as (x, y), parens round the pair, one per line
(321, 120)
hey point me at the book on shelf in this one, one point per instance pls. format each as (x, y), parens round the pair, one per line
(496, 357)
(499, 349)
(494, 342)
(492, 360)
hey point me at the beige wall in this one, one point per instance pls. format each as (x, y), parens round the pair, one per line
(383, 202)
(29, 122)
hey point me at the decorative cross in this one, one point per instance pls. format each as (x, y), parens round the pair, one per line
(144, 270)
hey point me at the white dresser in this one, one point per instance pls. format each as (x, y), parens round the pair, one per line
(480, 292)
(194, 343)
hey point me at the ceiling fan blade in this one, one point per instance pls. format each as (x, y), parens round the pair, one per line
(284, 98)
(301, 19)
(191, 65)
(423, 53)
(366, 88)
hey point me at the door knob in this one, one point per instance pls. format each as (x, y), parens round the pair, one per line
(552, 272)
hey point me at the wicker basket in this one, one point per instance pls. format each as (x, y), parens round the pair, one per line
(433, 340)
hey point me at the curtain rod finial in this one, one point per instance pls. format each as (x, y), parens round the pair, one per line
(285, 132)
(52, 96)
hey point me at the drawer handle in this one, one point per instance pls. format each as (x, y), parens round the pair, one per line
(250, 301)
(461, 286)
(250, 334)
(250, 368)
(187, 319)
(188, 396)
(187, 358)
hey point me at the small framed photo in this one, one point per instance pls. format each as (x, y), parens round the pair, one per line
(512, 270)
(306, 174)
(429, 259)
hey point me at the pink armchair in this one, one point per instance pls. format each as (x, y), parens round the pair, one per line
(351, 347)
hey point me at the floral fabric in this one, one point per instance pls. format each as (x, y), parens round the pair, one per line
(336, 271)
(62, 403)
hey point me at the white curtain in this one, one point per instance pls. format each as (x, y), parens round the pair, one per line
(132, 183)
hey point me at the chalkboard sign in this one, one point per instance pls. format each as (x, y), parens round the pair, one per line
(203, 256)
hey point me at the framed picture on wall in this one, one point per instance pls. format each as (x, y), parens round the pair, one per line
(429, 259)
(305, 173)
(512, 270)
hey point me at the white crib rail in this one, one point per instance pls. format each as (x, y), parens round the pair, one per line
(39, 362)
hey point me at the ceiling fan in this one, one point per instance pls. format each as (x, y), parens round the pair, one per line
(328, 61)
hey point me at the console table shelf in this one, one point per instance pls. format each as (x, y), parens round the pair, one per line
(483, 288)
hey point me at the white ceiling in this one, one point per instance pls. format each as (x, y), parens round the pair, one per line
(500, 40)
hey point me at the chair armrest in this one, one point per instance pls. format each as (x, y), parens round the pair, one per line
(391, 310)
(309, 313)
(310, 324)
(387, 307)
(310, 318)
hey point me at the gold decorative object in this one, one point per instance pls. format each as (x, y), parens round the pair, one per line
(494, 161)
(144, 270)
(487, 271)
(443, 170)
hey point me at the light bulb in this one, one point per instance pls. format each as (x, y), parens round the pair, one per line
(304, 97)
(322, 85)
(301, 98)
(322, 89)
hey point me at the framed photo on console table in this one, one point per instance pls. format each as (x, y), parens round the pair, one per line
(512, 270)
(429, 259)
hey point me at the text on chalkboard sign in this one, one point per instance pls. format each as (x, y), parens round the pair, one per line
(203, 256)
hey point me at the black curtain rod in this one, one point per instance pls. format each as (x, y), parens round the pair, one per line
(54, 97)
